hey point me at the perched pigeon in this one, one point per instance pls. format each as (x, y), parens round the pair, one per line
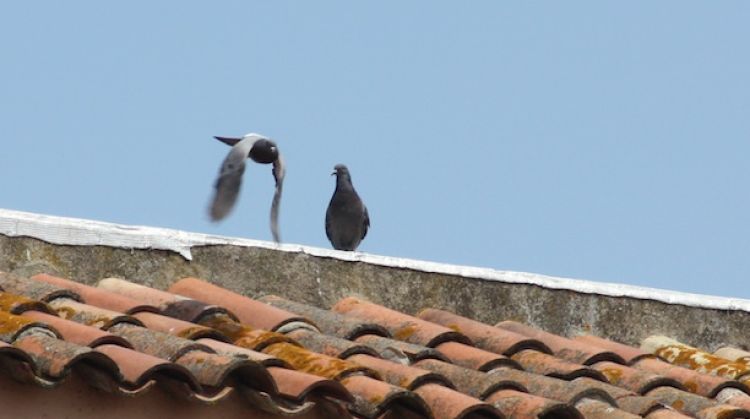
(261, 150)
(347, 219)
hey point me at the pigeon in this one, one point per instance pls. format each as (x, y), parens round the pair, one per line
(227, 187)
(347, 220)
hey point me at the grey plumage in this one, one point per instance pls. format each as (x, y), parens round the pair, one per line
(347, 219)
(227, 187)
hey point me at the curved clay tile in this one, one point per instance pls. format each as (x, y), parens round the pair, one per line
(300, 386)
(244, 335)
(634, 379)
(158, 344)
(399, 351)
(373, 398)
(516, 404)
(702, 384)
(567, 349)
(55, 358)
(178, 328)
(98, 297)
(734, 354)
(446, 403)
(544, 364)
(469, 381)
(329, 345)
(629, 353)
(734, 397)
(100, 318)
(245, 353)
(666, 414)
(597, 409)
(138, 369)
(18, 304)
(402, 326)
(11, 326)
(408, 377)
(553, 388)
(17, 363)
(683, 355)
(248, 311)
(695, 405)
(328, 322)
(138, 292)
(218, 371)
(78, 333)
(315, 363)
(35, 290)
(484, 336)
(474, 358)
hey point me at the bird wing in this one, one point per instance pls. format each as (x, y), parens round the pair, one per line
(227, 186)
(365, 223)
(279, 170)
(230, 141)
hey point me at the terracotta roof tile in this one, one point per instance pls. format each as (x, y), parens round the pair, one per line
(328, 322)
(567, 349)
(734, 354)
(100, 318)
(243, 335)
(516, 404)
(330, 345)
(693, 381)
(408, 377)
(224, 348)
(299, 385)
(628, 353)
(212, 345)
(54, 358)
(401, 326)
(484, 336)
(469, 381)
(178, 327)
(373, 398)
(248, 311)
(399, 351)
(450, 404)
(695, 405)
(35, 290)
(474, 358)
(17, 304)
(12, 325)
(169, 304)
(553, 388)
(596, 409)
(635, 380)
(138, 369)
(544, 364)
(95, 296)
(77, 333)
(315, 363)
(686, 356)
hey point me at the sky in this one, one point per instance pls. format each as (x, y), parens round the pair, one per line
(606, 141)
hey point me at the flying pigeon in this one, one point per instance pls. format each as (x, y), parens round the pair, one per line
(347, 219)
(261, 150)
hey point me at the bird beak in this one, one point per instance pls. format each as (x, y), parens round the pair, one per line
(334, 172)
(230, 141)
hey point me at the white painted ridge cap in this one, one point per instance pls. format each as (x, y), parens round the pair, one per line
(79, 232)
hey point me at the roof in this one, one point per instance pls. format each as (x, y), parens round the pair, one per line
(181, 346)
(205, 344)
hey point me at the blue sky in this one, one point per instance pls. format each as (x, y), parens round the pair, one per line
(582, 139)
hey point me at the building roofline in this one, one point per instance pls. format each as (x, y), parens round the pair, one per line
(81, 232)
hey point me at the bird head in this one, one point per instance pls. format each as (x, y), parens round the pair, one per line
(264, 150)
(340, 170)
